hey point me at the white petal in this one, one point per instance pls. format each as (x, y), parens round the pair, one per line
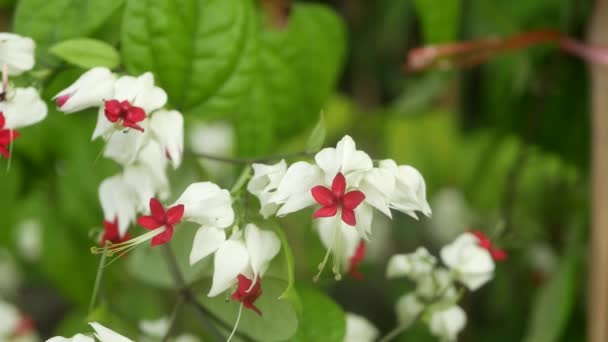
(409, 194)
(294, 191)
(359, 329)
(206, 241)
(364, 214)
(152, 157)
(329, 162)
(447, 324)
(262, 246)
(140, 91)
(436, 285)
(104, 127)
(90, 90)
(76, 338)
(23, 108)
(16, 52)
(408, 308)
(377, 185)
(472, 264)
(207, 204)
(168, 129)
(141, 184)
(412, 265)
(266, 178)
(231, 259)
(352, 160)
(155, 328)
(123, 146)
(106, 335)
(117, 202)
(335, 234)
(9, 319)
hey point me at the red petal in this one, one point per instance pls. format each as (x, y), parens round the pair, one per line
(348, 216)
(174, 214)
(323, 195)
(355, 261)
(135, 114)
(326, 212)
(157, 210)
(2, 120)
(163, 237)
(61, 100)
(148, 222)
(7, 136)
(252, 307)
(352, 199)
(125, 105)
(112, 110)
(4, 152)
(338, 186)
(499, 254)
(132, 125)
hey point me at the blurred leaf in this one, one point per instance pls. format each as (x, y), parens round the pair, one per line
(322, 319)
(440, 19)
(555, 301)
(48, 22)
(148, 264)
(317, 136)
(214, 58)
(87, 53)
(278, 322)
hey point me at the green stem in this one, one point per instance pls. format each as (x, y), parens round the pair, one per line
(98, 278)
(266, 159)
(176, 310)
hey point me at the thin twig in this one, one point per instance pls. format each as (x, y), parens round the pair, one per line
(266, 159)
(176, 310)
(98, 278)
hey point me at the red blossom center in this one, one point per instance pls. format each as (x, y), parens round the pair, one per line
(485, 243)
(247, 294)
(61, 100)
(355, 261)
(336, 198)
(124, 112)
(112, 234)
(161, 218)
(7, 136)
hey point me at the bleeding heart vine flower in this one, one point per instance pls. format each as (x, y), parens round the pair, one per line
(15, 326)
(168, 129)
(102, 334)
(264, 183)
(161, 219)
(111, 233)
(7, 136)
(118, 202)
(90, 90)
(447, 323)
(16, 52)
(413, 265)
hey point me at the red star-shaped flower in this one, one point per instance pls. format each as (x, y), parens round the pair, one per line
(112, 234)
(355, 261)
(247, 294)
(485, 243)
(336, 198)
(7, 136)
(123, 111)
(160, 218)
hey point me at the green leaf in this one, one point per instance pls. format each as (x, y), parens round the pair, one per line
(317, 136)
(148, 264)
(215, 59)
(48, 22)
(322, 320)
(87, 53)
(440, 19)
(279, 321)
(554, 302)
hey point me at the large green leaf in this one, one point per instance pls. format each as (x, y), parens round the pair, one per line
(87, 53)
(214, 58)
(322, 319)
(48, 22)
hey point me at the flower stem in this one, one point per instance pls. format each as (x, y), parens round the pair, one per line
(395, 332)
(266, 159)
(236, 325)
(98, 278)
(176, 310)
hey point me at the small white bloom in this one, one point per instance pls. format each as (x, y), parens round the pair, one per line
(118, 202)
(16, 52)
(168, 129)
(102, 334)
(155, 328)
(293, 193)
(75, 338)
(340, 239)
(409, 194)
(436, 286)
(446, 324)
(123, 146)
(471, 264)
(231, 259)
(263, 184)
(89, 90)
(344, 158)
(140, 92)
(359, 329)
(29, 236)
(412, 265)
(23, 107)
(207, 204)
(262, 246)
(408, 309)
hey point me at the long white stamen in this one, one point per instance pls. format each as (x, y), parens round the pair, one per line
(122, 248)
(236, 325)
(329, 251)
(4, 79)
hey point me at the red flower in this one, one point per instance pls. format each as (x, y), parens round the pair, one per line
(355, 261)
(7, 136)
(160, 218)
(336, 198)
(247, 294)
(485, 243)
(123, 111)
(112, 234)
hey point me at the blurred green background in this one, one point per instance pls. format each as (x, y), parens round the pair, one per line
(503, 147)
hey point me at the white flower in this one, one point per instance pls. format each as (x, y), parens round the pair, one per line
(408, 309)
(207, 204)
(16, 52)
(23, 107)
(359, 329)
(9, 320)
(409, 194)
(168, 129)
(216, 139)
(471, 264)
(446, 324)
(102, 334)
(155, 328)
(89, 90)
(118, 202)
(294, 191)
(436, 286)
(29, 236)
(342, 241)
(413, 265)
(263, 184)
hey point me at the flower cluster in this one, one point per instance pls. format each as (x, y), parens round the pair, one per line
(469, 261)
(102, 334)
(14, 326)
(139, 134)
(19, 107)
(345, 186)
